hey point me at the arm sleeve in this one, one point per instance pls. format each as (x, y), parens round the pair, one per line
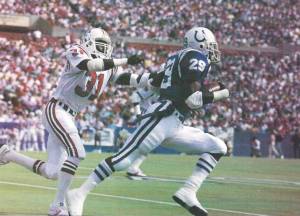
(99, 64)
(199, 98)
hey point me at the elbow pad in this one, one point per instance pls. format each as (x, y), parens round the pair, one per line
(219, 95)
(99, 64)
(198, 98)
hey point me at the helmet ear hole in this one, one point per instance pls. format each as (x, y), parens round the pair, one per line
(201, 46)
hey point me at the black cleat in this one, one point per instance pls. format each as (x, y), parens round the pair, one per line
(136, 176)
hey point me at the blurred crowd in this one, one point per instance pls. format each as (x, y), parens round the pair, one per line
(251, 22)
(264, 89)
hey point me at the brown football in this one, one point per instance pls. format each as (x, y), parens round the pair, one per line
(212, 86)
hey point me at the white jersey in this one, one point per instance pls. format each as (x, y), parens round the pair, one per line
(144, 97)
(78, 88)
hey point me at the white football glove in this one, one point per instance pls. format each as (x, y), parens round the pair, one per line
(194, 101)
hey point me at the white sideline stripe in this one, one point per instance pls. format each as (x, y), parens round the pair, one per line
(130, 198)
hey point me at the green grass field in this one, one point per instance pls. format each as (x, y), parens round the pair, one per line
(238, 186)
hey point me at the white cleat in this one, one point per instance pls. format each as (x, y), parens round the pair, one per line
(75, 201)
(136, 175)
(3, 150)
(58, 209)
(188, 200)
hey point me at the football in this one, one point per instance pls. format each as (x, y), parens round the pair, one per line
(212, 86)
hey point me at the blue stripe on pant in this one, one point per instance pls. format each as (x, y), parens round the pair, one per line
(139, 131)
(137, 143)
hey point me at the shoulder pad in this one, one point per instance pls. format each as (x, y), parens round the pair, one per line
(76, 48)
(185, 51)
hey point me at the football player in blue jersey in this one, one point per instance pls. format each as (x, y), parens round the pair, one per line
(181, 92)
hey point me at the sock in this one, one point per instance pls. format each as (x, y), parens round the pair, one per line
(204, 166)
(102, 171)
(32, 164)
(65, 178)
(38, 166)
(135, 166)
(23, 160)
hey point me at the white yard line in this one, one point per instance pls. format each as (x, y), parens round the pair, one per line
(280, 184)
(258, 180)
(267, 181)
(129, 198)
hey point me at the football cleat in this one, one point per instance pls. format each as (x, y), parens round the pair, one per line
(58, 209)
(188, 200)
(137, 175)
(3, 150)
(75, 201)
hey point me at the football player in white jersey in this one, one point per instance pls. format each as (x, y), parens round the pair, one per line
(87, 71)
(182, 92)
(142, 98)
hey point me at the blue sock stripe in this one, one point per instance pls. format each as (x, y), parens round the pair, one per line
(203, 167)
(103, 170)
(99, 175)
(207, 163)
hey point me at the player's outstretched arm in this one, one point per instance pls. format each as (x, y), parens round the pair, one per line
(99, 64)
(149, 80)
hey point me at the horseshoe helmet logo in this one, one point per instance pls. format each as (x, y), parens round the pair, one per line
(201, 39)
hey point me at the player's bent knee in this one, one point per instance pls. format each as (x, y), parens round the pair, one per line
(50, 172)
(221, 147)
(82, 156)
(81, 153)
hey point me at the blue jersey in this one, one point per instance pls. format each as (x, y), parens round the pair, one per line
(180, 71)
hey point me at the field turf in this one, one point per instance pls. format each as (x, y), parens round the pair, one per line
(238, 186)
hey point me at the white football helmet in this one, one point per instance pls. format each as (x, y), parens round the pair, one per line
(203, 39)
(97, 43)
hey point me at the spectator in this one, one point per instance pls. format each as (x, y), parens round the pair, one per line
(97, 139)
(279, 138)
(296, 143)
(255, 147)
(272, 146)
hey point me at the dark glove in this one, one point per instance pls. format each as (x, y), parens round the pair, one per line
(135, 59)
(156, 79)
